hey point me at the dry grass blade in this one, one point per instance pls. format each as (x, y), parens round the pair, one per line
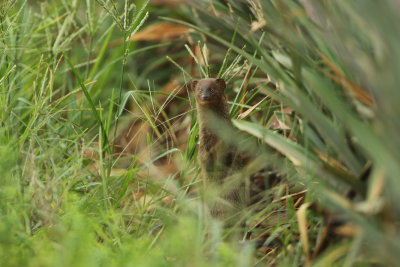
(378, 185)
(296, 195)
(332, 162)
(247, 112)
(339, 77)
(302, 220)
(162, 31)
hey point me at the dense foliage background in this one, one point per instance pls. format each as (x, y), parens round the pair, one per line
(98, 131)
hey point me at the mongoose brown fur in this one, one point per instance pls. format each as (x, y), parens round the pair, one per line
(218, 159)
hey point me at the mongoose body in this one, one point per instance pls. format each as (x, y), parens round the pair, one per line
(218, 159)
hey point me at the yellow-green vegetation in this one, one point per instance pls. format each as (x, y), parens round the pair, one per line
(98, 132)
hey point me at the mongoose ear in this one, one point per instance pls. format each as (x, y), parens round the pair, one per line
(193, 84)
(221, 83)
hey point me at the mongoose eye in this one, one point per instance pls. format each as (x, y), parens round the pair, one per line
(208, 90)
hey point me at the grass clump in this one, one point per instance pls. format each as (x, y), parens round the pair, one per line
(98, 132)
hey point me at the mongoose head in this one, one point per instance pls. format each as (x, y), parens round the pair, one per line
(208, 91)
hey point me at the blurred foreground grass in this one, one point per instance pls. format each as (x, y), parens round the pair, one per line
(98, 133)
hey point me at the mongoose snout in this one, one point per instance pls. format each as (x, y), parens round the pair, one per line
(206, 94)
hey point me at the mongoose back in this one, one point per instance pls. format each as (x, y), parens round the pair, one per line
(218, 159)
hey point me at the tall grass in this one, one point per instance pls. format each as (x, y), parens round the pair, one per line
(98, 134)
(335, 65)
(65, 200)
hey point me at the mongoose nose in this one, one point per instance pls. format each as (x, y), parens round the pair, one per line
(205, 95)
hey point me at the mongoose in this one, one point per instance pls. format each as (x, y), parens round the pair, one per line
(219, 160)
